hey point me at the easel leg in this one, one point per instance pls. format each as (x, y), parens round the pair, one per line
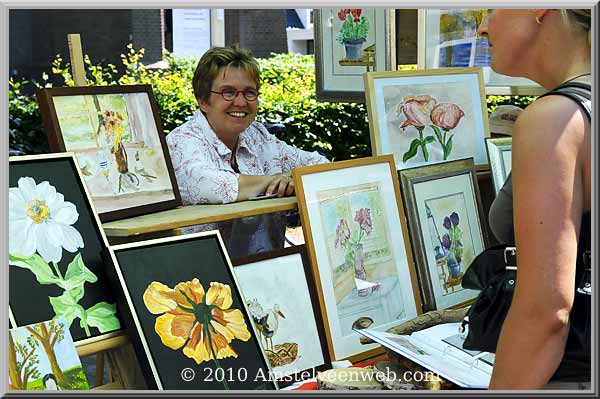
(99, 369)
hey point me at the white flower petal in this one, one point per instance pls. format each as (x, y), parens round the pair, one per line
(16, 205)
(53, 232)
(18, 243)
(49, 252)
(46, 191)
(73, 239)
(27, 187)
(56, 202)
(66, 214)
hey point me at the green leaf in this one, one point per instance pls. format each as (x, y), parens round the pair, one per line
(66, 306)
(429, 139)
(37, 265)
(77, 274)
(438, 134)
(412, 150)
(448, 148)
(102, 316)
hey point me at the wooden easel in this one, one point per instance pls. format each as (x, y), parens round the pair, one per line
(124, 372)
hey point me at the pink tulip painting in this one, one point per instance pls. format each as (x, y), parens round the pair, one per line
(445, 116)
(422, 111)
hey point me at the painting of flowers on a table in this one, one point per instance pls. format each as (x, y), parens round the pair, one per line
(117, 145)
(44, 240)
(360, 256)
(453, 247)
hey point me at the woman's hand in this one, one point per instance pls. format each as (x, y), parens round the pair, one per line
(281, 184)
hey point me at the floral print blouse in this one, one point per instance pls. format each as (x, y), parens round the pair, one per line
(202, 161)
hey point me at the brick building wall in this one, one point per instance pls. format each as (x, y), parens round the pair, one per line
(262, 31)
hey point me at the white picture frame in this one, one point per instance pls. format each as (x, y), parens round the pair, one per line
(500, 155)
(344, 83)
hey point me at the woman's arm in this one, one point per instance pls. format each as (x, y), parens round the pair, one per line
(548, 201)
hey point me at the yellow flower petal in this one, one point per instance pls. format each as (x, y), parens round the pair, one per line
(193, 289)
(159, 298)
(224, 331)
(174, 329)
(233, 320)
(220, 295)
(195, 348)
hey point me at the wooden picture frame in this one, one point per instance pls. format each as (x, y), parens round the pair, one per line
(428, 116)
(282, 281)
(339, 78)
(117, 136)
(437, 210)
(173, 348)
(448, 38)
(499, 151)
(47, 278)
(355, 231)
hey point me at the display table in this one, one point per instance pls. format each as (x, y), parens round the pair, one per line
(191, 215)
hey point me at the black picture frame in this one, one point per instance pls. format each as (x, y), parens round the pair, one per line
(132, 165)
(29, 300)
(140, 269)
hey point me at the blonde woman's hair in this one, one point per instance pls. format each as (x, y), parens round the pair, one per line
(580, 19)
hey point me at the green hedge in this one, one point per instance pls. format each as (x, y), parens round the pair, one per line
(339, 130)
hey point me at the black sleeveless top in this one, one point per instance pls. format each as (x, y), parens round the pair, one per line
(576, 363)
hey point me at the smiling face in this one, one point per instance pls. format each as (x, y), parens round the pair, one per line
(230, 118)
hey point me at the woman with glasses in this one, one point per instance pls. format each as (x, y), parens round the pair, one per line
(544, 208)
(222, 154)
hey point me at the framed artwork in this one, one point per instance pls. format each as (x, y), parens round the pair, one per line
(448, 38)
(348, 43)
(428, 116)
(42, 356)
(189, 323)
(55, 244)
(355, 230)
(281, 296)
(500, 156)
(116, 135)
(445, 217)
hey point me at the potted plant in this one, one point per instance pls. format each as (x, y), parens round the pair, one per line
(353, 33)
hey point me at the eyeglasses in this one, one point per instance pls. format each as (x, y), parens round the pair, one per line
(231, 94)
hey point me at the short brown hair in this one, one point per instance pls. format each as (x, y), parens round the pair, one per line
(222, 57)
(579, 19)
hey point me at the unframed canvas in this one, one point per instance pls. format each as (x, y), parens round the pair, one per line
(428, 116)
(445, 221)
(448, 38)
(500, 156)
(338, 76)
(354, 227)
(55, 245)
(116, 134)
(281, 296)
(190, 324)
(42, 356)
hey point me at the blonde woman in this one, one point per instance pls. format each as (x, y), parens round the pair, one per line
(545, 208)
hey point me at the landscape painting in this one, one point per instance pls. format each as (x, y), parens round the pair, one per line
(42, 356)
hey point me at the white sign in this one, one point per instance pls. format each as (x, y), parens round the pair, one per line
(191, 32)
